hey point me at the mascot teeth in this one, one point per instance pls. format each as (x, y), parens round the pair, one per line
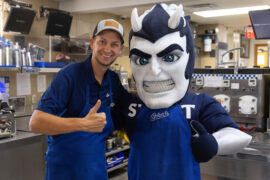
(158, 86)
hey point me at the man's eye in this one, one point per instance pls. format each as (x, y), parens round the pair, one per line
(116, 45)
(102, 42)
(141, 61)
(170, 58)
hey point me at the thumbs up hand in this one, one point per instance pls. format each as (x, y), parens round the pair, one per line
(94, 121)
(204, 145)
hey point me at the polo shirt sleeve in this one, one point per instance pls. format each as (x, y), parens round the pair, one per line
(213, 116)
(56, 97)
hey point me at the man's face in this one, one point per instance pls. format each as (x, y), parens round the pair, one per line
(159, 69)
(106, 47)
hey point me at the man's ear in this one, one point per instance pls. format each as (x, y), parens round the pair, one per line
(91, 40)
(122, 47)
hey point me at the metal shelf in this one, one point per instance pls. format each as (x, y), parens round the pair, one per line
(49, 70)
(117, 150)
(30, 69)
(117, 166)
(9, 69)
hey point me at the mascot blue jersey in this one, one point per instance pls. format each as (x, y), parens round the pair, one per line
(160, 138)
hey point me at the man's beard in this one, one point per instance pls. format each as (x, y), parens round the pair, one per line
(102, 64)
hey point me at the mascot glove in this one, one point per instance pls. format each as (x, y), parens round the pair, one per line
(204, 145)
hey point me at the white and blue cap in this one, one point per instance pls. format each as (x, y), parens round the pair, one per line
(109, 24)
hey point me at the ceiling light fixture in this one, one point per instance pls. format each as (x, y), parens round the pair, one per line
(228, 12)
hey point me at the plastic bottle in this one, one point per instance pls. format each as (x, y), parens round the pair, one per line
(29, 61)
(207, 44)
(8, 53)
(23, 57)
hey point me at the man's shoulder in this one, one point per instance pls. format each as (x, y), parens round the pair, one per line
(113, 74)
(73, 68)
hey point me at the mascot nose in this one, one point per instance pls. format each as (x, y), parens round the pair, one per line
(155, 67)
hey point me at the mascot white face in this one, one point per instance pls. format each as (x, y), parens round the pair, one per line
(159, 65)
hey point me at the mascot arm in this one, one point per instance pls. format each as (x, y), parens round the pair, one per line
(231, 140)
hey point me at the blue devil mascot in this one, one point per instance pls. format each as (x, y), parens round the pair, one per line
(171, 131)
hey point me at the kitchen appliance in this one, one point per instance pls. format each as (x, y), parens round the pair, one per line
(23, 112)
(7, 122)
(243, 96)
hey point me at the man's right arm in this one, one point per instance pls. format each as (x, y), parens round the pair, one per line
(45, 123)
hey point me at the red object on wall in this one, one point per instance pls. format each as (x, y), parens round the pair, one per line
(249, 33)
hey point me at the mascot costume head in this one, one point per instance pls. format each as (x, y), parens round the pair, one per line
(162, 54)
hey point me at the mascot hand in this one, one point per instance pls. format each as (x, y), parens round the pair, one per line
(204, 145)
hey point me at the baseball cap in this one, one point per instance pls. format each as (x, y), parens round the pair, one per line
(109, 24)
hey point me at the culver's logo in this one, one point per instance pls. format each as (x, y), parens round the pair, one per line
(156, 116)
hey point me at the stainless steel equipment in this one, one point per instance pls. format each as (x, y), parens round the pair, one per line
(17, 57)
(7, 122)
(242, 95)
(8, 53)
(22, 113)
(23, 57)
(236, 63)
(123, 76)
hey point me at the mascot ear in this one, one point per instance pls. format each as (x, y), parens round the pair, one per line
(175, 18)
(136, 23)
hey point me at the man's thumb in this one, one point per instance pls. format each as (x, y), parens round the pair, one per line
(95, 108)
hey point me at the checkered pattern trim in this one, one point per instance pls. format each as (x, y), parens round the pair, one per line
(229, 76)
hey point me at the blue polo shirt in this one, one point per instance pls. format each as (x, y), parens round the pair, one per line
(66, 94)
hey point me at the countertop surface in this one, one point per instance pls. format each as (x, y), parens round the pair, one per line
(258, 149)
(18, 136)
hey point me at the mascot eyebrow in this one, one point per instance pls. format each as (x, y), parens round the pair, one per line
(162, 53)
(151, 28)
(169, 49)
(140, 53)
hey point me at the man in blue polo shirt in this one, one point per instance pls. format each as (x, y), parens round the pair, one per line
(75, 110)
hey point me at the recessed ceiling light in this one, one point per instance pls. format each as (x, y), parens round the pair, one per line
(228, 12)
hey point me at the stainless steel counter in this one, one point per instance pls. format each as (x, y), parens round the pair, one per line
(252, 163)
(22, 156)
(20, 136)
